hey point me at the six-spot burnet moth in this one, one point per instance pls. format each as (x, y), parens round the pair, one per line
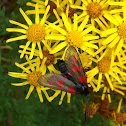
(73, 79)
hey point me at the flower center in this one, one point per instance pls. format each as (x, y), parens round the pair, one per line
(52, 6)
(122, 30)
(74, 38)
(33, 78)
(104, 64)
(94, 9)
(119, 118)
(50, 58)
(36, 33)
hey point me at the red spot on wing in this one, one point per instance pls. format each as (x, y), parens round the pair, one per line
(71, 90)
(85, 79)
(75, 60)
(60, 87)
(69, 73)
(51, 83)
(65, 76)
(60, 82)
(74, 69)
(79, 68)
(81, 79)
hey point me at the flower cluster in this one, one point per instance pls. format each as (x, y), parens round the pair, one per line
(97, 30)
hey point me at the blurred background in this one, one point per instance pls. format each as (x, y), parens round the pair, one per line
(14, 109)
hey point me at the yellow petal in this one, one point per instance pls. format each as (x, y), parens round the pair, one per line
(66, 22)
(20, 84)
(103, 95)
(24, 50)
(110, 38)
(25, 17)
(16, 30)
(37, 14)
(99, 81)
(68, 97)
(40, 50)
(82, 26)
(52, 68)
(113, 43)
(124, 13)
(18, 75)
(16, 38)
(45, 15)
(29, 92)
(86, 38)
(22, 67)
(58, 47)
(19, 24)
(58, 29)
(53, 37)
(75, 22)
(120, 45)
(111, 19)
(33, 49)
(43, 66)
(88, 44)
(109, 81)
(108, 32)
(102, 26)
(119, 106)
(62, 96)
(39, 93)
(89, 29)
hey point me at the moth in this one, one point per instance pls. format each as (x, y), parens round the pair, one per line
(73, 78)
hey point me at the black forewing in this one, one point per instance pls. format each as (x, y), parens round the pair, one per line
(58, 82)
(74, 65)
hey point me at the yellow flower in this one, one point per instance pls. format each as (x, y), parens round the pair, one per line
(119, 117)
(116, 35)
(105, 68)
(48, 60)
(31, 73)
(35, 33)
(74, 35)
(96, 11)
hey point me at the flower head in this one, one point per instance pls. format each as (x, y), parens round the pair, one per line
(74, 35)
(106, 68)
(34, 33)
(96, 11)
(115, 36)
(31, 73)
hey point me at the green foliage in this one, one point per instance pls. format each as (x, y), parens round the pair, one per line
(22, 2)
(3, 21)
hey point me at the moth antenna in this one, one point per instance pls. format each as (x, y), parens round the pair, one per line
(104, 93)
